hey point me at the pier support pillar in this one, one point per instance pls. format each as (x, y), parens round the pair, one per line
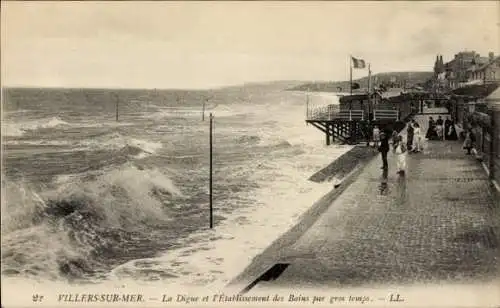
(327, 134)
(334, 130)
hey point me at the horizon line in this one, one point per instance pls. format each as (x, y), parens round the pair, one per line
(219, 87)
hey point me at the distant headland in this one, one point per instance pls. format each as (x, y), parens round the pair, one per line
(396, 79)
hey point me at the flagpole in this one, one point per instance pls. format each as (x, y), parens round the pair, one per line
(369, 77)
(369, 93)
(350, 71)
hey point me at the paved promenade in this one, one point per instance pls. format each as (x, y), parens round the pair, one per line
(439, 223)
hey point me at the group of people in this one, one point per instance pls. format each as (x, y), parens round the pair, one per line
(413, 140)
(439, 130)
(382, 142)
(414, 137)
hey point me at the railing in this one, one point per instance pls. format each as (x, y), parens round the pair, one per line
(351, 115)
(331, 112)
(385, 115)
(487, 144)
(324, 113)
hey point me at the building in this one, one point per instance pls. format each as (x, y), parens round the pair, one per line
(485, 71)
(457, 71)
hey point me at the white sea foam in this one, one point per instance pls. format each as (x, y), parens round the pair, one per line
(213, 257)
(116, 141)
(16, 129)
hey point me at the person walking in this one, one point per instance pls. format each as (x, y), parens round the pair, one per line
(417, 138)
(384, 149)
(399, 148)
(409, 136)
(376, 136)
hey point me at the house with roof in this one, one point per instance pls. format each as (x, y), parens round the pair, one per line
(460, 68)
(484, 72)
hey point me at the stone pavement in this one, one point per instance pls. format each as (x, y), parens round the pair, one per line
(439, 223)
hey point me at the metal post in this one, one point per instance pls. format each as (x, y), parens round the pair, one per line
(117, 104)
(203, 112)
(210, 184)
(493, 145)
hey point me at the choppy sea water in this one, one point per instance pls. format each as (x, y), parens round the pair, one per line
(89, 199)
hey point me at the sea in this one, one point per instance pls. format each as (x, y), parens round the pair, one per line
(87, 198)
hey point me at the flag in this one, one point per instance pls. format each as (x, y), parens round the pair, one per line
(358, 63)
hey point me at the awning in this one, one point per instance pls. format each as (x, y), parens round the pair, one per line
(493, 100)
(479, 91)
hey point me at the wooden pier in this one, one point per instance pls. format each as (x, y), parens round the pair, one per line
(353, 119)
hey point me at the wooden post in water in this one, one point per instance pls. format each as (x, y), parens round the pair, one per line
(203, 111)
(116, 107)
(210, 182)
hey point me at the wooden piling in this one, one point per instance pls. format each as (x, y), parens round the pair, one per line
(327, 133)
(211, 172)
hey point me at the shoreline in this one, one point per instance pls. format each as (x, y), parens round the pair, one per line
(345, 169)
(339, 168)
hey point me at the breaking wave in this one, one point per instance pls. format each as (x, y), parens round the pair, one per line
(18, 129)
(64, 231)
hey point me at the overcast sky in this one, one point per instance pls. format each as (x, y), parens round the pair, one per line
(206, 44)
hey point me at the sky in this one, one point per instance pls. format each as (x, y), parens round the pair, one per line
(210, 44)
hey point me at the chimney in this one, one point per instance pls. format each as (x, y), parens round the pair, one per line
(491, 56)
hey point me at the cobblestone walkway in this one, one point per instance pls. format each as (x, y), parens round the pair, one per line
(438, 223)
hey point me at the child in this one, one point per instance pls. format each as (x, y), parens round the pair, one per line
(400, 151)
(469, 141)
(439, 132)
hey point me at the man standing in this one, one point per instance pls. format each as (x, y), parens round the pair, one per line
(376, 136)
(384, 149)
(409, 136)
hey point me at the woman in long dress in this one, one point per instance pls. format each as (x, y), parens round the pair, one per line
(431, 130)
(400, 151)
(417, 138)
(447, 124)
(452, 132)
